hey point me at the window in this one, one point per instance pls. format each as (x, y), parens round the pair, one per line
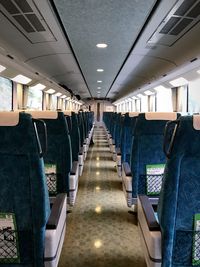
(138, 105)
(144, 103)
(5, 94)
(53, 105)
(194, 97)
(164, 100)
(34, 99)
(152, 103)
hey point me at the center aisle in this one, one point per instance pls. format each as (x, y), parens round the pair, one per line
(100, 231)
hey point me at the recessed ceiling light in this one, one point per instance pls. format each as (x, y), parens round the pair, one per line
(50, 91)
(21, 79)
(179, 82)
(139, 95)
(2, 68)
(68, 98)
(148, 92)
(198, 71)
(99, 81)
(160, 88)
(98, 87)
(102, 45)
(38, 86)
(63, 96)
(134, 97)
(58, 94)
(100, 70)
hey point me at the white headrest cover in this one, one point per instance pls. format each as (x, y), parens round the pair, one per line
(67, 113)
(8, 118)
(196, 122)
(43, 114)
(133, 114)
(165, 116)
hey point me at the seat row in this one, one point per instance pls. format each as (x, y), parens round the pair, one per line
(40, 165)
(169, 231)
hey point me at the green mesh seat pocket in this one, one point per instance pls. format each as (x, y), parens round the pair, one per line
(51, 177)
(9, 247)
(154, 177)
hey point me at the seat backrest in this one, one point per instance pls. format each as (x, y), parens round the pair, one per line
(75, 137)
(127, 134)
(58, 159)
(24, 195)
(147, 156)
(81, 127)
(180, 195)
(117, 130)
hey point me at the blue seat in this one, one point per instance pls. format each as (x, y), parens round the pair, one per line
(77, 153)
(147, 157)
(179, 202)
(34, 233)
(61, 171)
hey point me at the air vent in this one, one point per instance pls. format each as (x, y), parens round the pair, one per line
(24, 23)
(9, 6)
(26, 17)
(184, 7)
(195, 12)
(24, 6)
(35, 22)
(182, 17)
(169, 25)
(181, 26)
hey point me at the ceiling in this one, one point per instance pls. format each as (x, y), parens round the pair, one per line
(55, 40)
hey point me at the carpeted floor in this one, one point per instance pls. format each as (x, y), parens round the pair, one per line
(100, 231)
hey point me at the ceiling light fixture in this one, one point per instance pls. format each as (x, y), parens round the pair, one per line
(38, 86)
(139, 95)
(134, 97)
(50, 91)
(198, 71)
(2, 68)
(21, 79)
(63, 96)
(179, 82)
(160, 88)
(99, 81)
(99, 87)
(100, 70)
(103, 45)
(58, 94)
(148, 92)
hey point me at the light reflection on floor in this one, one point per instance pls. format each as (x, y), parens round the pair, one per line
(100, 231)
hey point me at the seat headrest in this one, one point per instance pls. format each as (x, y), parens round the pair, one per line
(8, 118)
(133, 114)
(67, 113)
(53, 115)
(167, 116)
(196, 122)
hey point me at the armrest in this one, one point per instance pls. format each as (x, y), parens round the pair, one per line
(74, 167)
(118, 151)
(56, 211)
(81, 151)
(149, 213)
(127, 168)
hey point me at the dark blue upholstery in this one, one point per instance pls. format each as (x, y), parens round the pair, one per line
(59, 150)
(23, 189)
(75, 137)
(81, 127)
(118, 129)
(147, 148)
(180, 196)
(126, 137)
